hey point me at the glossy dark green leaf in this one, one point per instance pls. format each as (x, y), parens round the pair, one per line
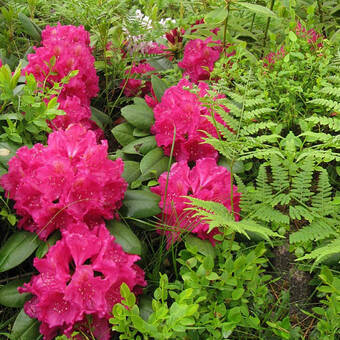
(153, 164)
(25, 328)
(159, 86)
(9, 295)
(125, 237)
(123, 133)
(140, 146)
(30, 28)
(131, 171)
(17, 249)
(140, 204)
(44, 246)
(101, 118)
(140, 116)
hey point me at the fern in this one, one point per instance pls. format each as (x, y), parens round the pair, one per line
(321, 202)
(316, 231)
(218, 216)
(322, 253)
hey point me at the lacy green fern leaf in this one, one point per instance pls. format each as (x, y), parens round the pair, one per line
(317, 230)
(321, 202)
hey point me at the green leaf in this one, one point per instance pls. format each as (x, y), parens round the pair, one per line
(237, 293)
(216, 16)
(123, 133)
(258, 9)
(7, 151)
(202, 246)
(25, 328)
(145, 307)
(140, 116)
(9, 295)
(159, 86)
(140, 133)
(140, 146)
(44, 246)
(131, 171)
(153, 164)
(125, 237)
(141, 204)
(30, 28)
(17, 249)
(101, 118)
(292, 36)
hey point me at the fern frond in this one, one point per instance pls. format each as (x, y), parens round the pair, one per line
(317, 230)
(263, 189)
(248, 115)
(334, 91)
(333, 123)
(301, 183)
(322, 253)
(279, 174)
(218, 216)
(327, 103)
(321, 202)
(266, 213)
(300, 212)
(256, 127)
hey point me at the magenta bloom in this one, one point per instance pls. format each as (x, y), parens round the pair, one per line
(137, 86)
(199, 58)
(311, 35)
(71, 179)
(181, 109)
(206, 181)
(272, 57)
(80, 275)
(70, 46)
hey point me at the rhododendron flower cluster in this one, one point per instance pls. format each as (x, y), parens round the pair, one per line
(200, 57)
(133, 86)
(206, 181)
(272, 57)
(311, 35)
(70, 46)
(182, 111)
(67, 181)
(80, 276)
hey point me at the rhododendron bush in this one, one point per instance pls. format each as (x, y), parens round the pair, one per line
(145, 162)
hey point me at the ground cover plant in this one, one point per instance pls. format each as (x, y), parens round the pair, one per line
(169, 169)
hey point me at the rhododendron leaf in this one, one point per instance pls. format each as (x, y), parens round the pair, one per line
(140, 133)
(141, 146)
(140, 116)
(44, 246)
(153, 164)
(17, 249)
(25, 328)
(258, 9)
(160, 64)
(123, 133)
(140, 204)
(7, 151)
(125, 237)
(159, 86)
(9, 295)
(202, 246)
(30, 28)
(131, 171)
(216, 16)
(100, 117)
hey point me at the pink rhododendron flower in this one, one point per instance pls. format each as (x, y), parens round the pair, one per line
(134, 86)
(0, 63)
(80, 276)
(181, 110)
(206, 181)
(199, 58)
(272, 57)
(76, 112)
(71, 179)
(70, 46)
(311, 35)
